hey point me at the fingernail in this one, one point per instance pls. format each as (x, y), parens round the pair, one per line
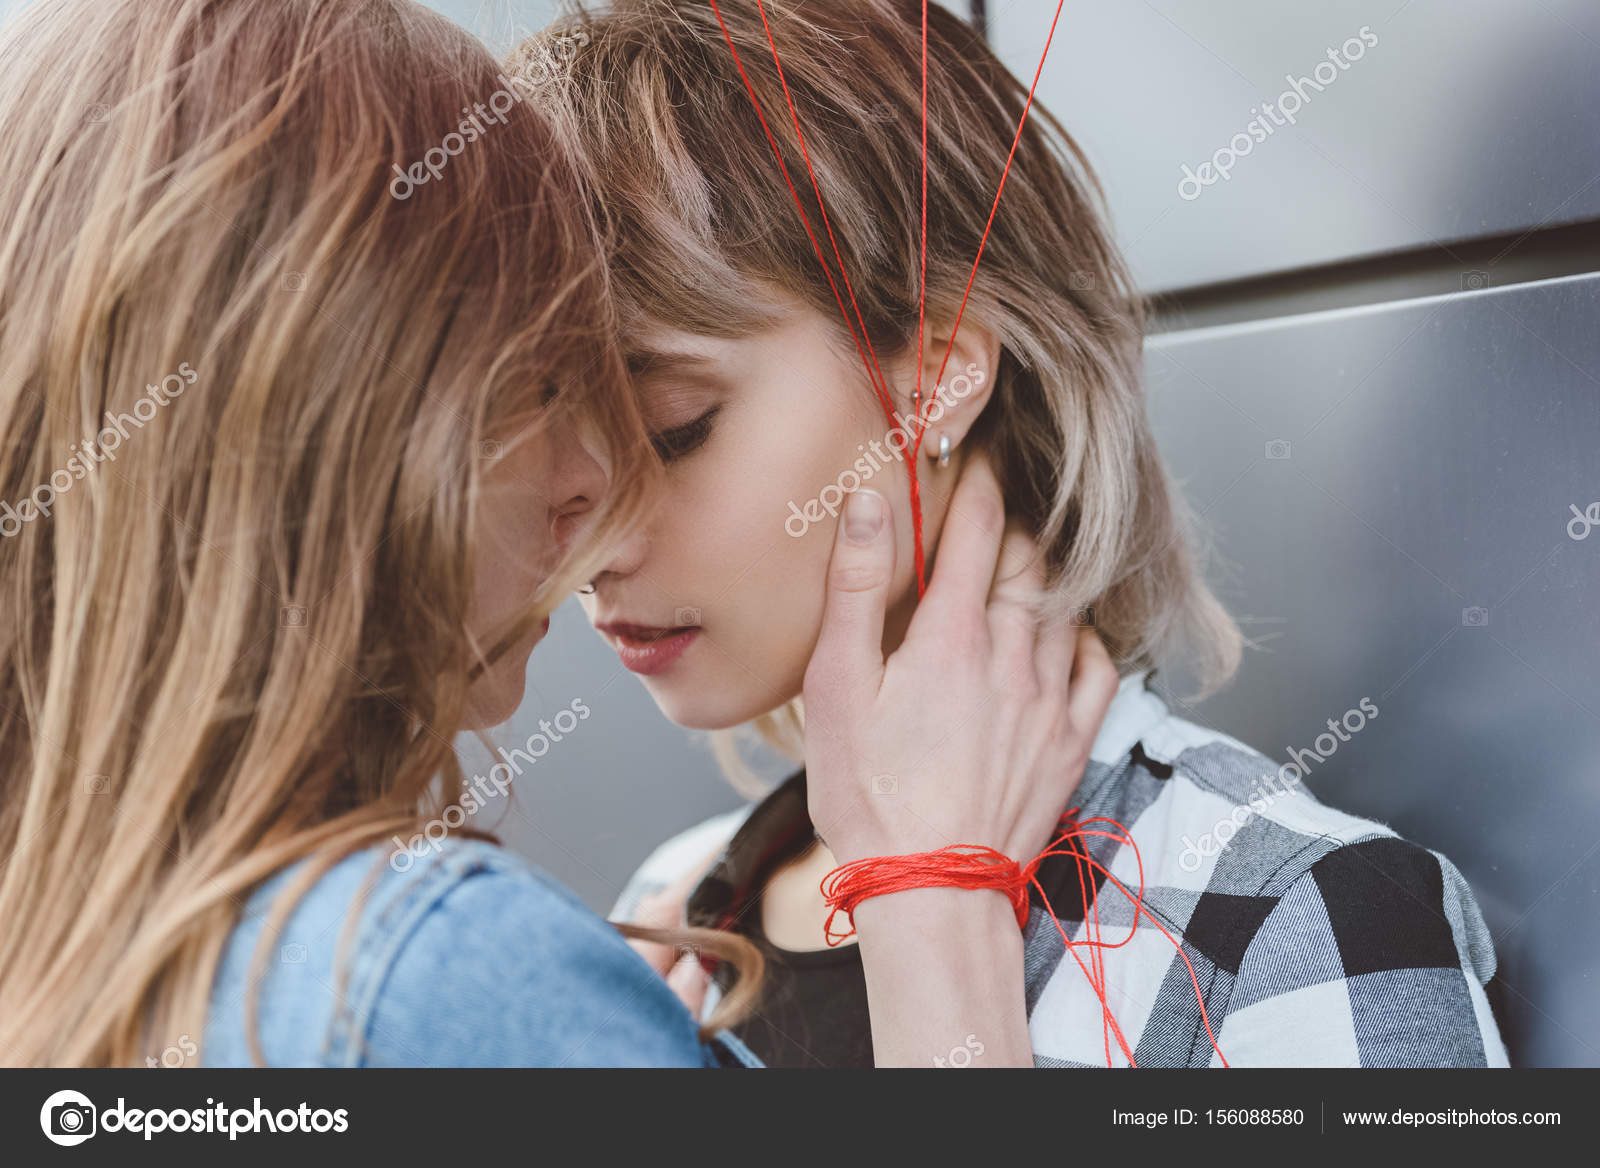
(863, 515)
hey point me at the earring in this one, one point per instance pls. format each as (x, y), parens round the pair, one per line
(587, 589)
(943, 457)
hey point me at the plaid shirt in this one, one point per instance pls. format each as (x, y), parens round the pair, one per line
(1317, 938)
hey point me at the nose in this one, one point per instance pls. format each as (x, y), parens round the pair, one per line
(624, 553)
(578, 483)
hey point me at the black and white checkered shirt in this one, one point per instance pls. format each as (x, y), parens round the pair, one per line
(1317, 938)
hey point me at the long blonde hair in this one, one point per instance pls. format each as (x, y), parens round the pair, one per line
(704, 227)
(233, 636)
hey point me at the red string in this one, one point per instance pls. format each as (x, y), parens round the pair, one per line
(1006, 173)
(863, 343)
(958, 866)
(922, 305)
(873, 374)
(974, 866)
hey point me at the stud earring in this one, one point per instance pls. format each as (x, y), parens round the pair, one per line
(588, 589)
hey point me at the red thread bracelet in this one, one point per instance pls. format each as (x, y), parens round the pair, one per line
(976, 866)
(973, 866)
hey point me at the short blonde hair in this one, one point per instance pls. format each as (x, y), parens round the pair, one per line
(703, 224)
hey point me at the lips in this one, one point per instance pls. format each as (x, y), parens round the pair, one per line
(649, 649)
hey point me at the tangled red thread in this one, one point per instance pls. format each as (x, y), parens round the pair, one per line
(975, 866)
(858, 326)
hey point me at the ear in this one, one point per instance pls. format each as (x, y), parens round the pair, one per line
(952, 408)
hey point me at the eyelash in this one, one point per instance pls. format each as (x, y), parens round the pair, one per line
(681, 441)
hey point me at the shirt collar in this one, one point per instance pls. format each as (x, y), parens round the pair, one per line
(778, 828)
(1135, 711)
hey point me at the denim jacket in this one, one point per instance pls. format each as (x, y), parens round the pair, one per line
(469, 957)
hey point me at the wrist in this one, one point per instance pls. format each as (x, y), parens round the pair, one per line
(944, 968)
(940, 916)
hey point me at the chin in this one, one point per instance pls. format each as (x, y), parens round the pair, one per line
(496, 696)
(707, 706)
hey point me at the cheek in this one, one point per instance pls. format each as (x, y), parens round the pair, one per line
(507, 570)
(720, 544)
(510, 553)
(513, 536)
(795, 576)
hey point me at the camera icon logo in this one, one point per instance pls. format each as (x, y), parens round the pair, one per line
(294, 954)
(97, 113)
(1475, 618)
(491, 449)
(1081, 281)
(293, 616)
(1278, 449)
(688, 952)
(97, 785)
(1474, 281)
(294, 281)
(687, 617)
(67, 1118)
(1083, 616)
(885, 784)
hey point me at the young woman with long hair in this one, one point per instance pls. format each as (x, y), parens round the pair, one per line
(310, 412)
(1216, 912)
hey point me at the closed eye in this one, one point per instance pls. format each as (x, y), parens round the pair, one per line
(683, 440)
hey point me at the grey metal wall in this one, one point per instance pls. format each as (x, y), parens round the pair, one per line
(1389, 480)
(1466, 117)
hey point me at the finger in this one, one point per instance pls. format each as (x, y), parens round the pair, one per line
(1055, 654)
(666, 910)
(1094, 680)
(688, 980)
(969, 547)
(658, 956)
(1013, 599)
(850, 647)
(657, 911)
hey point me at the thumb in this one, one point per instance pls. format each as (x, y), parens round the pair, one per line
(688, 980)
(850, 647)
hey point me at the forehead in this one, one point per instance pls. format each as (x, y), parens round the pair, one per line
(665, 351)
(662, 349)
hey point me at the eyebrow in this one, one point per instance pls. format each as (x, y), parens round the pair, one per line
(656, 361)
